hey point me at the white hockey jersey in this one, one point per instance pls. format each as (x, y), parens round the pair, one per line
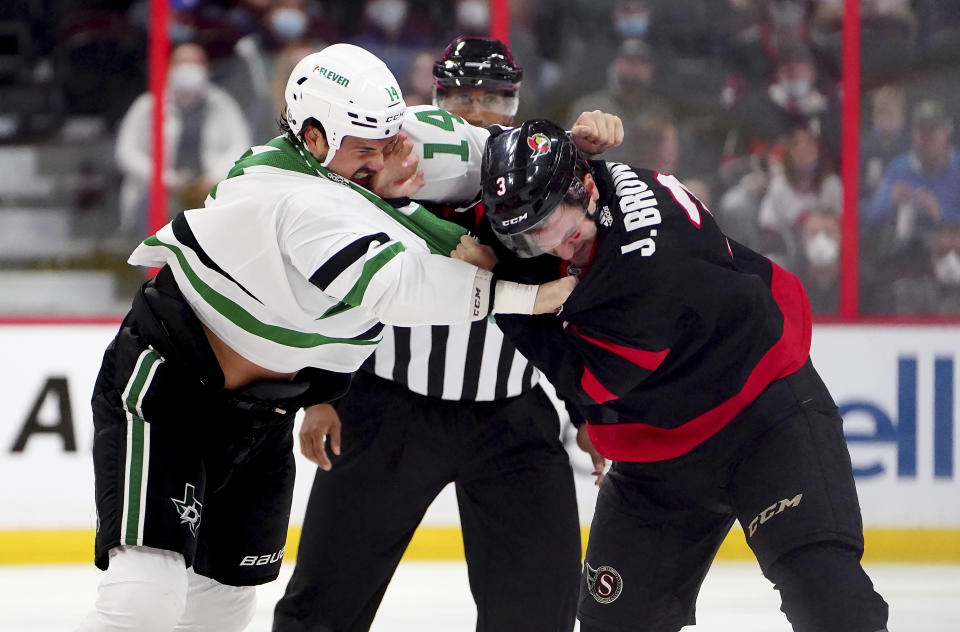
(292, 265)
(450, 151)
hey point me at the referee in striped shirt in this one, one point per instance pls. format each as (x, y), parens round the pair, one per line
(435, 405)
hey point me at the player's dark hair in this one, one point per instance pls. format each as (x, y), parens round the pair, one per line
(284, 127)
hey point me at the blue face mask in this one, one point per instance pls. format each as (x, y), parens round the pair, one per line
(633, 25)
(288, 23)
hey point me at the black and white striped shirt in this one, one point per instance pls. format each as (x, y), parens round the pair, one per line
(473, 362)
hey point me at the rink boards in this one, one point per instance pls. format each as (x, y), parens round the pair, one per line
(897, 387)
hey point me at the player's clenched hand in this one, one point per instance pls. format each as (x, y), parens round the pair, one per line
(472, 251)
(585, 444)
(596, 132)
(399, 177)
(321, 424)
(551, 296)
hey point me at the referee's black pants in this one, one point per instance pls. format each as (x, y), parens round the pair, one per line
(514, 489)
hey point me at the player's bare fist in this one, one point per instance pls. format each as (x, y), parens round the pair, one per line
(472, 251)
(551, 296)
(596, 132)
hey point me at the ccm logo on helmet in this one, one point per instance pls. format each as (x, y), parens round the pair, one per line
(393, 118)
(515, 220)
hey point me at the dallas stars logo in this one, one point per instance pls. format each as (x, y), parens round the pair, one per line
(189, 508)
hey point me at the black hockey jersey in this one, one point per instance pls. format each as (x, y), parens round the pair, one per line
(674, 328)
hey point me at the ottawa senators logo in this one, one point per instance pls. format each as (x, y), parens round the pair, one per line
(604, 583)
(539, 143)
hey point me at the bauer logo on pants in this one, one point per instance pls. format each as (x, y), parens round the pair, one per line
(604, 583)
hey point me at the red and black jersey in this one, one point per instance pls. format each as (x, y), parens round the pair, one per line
(673, 328)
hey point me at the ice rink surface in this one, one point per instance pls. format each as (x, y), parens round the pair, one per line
(434, 596)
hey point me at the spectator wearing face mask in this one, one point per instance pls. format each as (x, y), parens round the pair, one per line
(204, 133)
(791, 99)
(805, 182)
(630, 92)
(759, 33)
(937, 291)
(819, 270)
(631, 18)
(262, 58)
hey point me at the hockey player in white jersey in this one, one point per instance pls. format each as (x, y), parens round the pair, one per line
(267, 299)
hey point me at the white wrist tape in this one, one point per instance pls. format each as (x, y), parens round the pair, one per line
(514, 298)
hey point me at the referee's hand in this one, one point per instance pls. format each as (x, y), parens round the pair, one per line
(585, 444)
(320, 428)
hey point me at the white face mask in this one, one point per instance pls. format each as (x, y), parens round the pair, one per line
(473, 14)
(387, 14)
(947, 268)
(822, 250)
(187, 79)
(796, 89)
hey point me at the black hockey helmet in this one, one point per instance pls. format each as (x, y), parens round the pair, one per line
(526, 173)
(477, 62)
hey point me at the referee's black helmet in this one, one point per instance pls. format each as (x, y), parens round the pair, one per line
(477, 62)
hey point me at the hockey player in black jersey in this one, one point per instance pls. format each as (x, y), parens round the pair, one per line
(689, 356)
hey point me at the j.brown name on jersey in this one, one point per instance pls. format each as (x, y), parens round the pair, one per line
(639, 208)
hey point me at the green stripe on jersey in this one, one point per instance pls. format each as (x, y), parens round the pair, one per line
(280, 154)
(440, 235)
(244, 319)
(370, 268)
(137, 454)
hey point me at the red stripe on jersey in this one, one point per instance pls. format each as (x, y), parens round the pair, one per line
(649, 360)
(478, 212)
(592, 387)
(644, 443)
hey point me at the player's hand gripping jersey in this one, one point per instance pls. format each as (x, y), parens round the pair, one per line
(673, 329)
(292, 265)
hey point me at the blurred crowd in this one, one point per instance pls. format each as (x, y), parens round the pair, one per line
(741, 99)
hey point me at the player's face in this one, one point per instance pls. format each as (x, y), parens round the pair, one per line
(477, 106)
(359, 158)
(570, 231)
(568, 234)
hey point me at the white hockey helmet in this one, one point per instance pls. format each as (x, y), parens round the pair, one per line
(349, 91)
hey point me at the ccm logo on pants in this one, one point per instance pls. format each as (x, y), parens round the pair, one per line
(773, 510)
